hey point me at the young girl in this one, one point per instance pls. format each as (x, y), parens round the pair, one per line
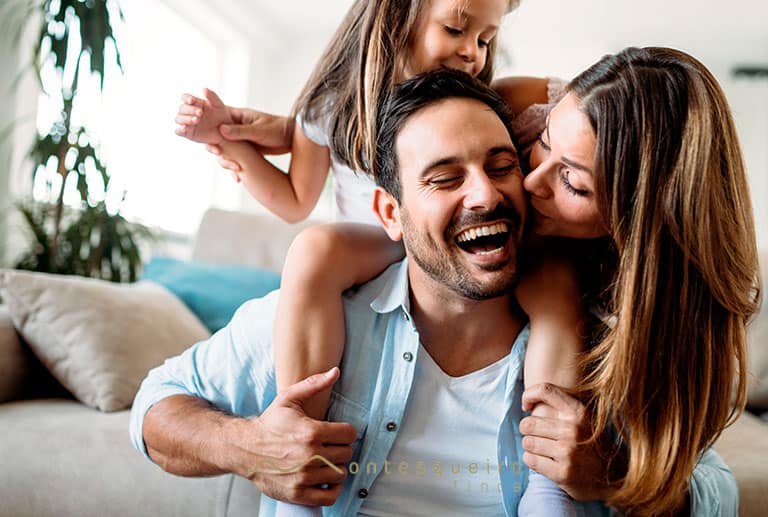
(335, 123)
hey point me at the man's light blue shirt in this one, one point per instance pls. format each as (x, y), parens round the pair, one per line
(234, 370)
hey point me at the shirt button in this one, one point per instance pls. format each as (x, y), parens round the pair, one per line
(391, 426)
(406, 317)
(362, 493)
(408, 356)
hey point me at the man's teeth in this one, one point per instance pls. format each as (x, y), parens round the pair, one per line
(487, 252)
(474, 233)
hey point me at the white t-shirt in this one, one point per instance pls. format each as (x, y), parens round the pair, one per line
(444, 460)
(353, 191)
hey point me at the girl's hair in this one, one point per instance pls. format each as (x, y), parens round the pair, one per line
(357, 69)
(672, 188)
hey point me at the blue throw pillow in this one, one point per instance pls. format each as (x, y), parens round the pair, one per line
(212, 291)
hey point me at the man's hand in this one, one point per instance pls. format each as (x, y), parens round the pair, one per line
(551, 440)
(289, 454)
(199, 119)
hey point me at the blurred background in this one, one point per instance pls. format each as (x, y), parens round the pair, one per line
(258, 53)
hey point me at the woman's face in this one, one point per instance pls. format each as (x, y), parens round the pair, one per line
(454, 34)
(561, 183)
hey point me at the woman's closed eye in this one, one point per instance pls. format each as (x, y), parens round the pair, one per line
(564, 178)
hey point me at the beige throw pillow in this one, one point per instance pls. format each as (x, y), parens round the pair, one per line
(99, 339)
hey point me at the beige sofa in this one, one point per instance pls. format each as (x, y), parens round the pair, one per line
(62, 458)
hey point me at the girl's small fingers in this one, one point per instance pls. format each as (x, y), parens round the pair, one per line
(186, 120)
(192, 100)
(229, 164)
(181, 130)
(187, 109)
(213, 149)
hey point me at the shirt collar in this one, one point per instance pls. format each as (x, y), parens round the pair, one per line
(395, 291)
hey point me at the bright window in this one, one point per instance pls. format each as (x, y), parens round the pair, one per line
(168, 181)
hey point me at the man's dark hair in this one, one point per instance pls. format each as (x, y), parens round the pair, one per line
(413, 95)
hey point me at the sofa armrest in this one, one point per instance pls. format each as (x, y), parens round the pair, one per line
(14, 359)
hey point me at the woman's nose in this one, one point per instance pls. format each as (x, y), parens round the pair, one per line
(537, 182)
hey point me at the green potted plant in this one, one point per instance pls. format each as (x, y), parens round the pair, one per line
(89, 239)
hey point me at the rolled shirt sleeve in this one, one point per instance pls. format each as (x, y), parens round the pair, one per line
(233, 369)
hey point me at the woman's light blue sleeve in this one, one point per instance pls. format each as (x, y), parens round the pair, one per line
(233, 369)
(713, 488)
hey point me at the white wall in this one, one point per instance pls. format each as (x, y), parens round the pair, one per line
(749, 101)
(8, 61)
(17, 131)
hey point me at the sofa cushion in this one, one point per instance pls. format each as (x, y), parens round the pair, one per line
(64, 459)
(97, 338)
(743, 447)
(212, 291)
(14, 360)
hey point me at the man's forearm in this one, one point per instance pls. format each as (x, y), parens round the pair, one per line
(186, 436)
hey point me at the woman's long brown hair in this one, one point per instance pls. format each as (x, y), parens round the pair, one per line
(672, 188)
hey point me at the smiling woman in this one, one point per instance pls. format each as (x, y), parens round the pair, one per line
(668, 188)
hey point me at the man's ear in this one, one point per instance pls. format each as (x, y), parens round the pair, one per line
(388, 211)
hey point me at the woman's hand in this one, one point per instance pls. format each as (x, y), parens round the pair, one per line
(553, 439)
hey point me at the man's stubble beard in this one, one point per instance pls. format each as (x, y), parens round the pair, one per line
(448, 269)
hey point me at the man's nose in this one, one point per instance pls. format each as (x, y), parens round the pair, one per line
(481, 192)
(537, 182)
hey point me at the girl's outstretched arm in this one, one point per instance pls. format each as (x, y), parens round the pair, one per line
(290, 196)
(322, 263)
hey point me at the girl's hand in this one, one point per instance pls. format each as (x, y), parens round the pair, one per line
(225, 161)
(199, 119)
